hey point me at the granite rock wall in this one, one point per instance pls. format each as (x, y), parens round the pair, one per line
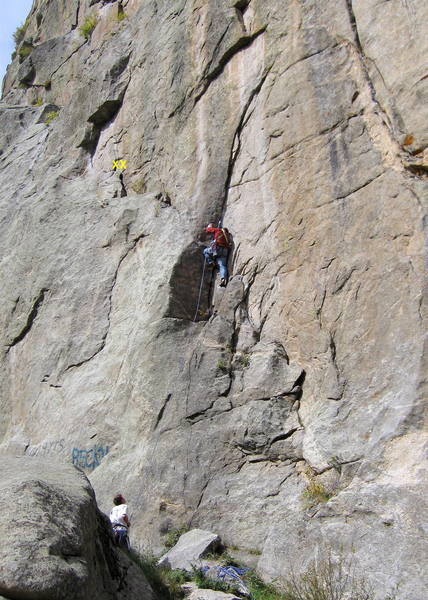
(302, 127)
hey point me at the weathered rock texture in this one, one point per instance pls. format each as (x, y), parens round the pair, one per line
(190, 548)
(303, 125)
(55, 544)
(195, 593)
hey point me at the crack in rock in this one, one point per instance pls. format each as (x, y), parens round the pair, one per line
(162, 410)
(30, 319)
(241, 44)
(110, 295)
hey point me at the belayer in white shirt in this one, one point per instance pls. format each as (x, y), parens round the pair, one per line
(120, 521)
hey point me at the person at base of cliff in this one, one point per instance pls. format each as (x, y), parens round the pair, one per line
(120, 521)
(218, 250)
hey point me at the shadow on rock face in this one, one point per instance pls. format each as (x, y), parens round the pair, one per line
(187, 280)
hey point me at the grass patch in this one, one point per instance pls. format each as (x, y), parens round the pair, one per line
(207, 583)
(20, 32)
(165, 583)
(24, 51)
(38, 102)
(222, 557)
(323, 580)
(327, 580)
(173, 535)
(88, 26)
(266, 591)
(316, 493)
(51, 116)
(222, 366)
(228, 560)
(121, 16)
(138, 186)
(243, 360)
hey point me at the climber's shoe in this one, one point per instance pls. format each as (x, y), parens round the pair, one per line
(223, 282)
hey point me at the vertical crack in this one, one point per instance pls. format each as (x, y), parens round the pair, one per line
(362, 56)
(353, 22)
(241, 7)
(162, 410)
(243, 42)
(234, 151)
(341, 383)
(123, 191)
(388, 123)
(77, 16)
(30, 319)
(103, 341)
(201, 496)
(363, 59)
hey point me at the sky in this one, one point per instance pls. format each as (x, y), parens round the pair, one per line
(12, 15)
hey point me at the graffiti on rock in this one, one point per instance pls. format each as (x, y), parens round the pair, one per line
(89, 459)
(84, 458)
(54, 447)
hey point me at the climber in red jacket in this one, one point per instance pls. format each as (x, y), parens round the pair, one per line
(218, 250)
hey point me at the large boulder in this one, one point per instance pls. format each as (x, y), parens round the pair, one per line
(55, 543)
(189, 549)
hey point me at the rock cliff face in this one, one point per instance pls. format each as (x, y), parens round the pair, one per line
(288, 411)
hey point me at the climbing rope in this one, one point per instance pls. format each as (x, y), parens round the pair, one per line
(200, 289)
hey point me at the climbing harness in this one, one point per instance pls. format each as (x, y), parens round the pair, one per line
(200, 289)
(121, 538)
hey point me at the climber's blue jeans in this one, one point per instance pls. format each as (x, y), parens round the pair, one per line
(220, 258)
(121, 537)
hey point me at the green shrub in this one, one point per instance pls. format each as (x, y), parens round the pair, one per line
(243, 360)
(38, 102)
(88, 26)
(24, 50)
(246, 361)
(222, 366)
(121, 16)
(174, 534)
(51, 116)
(19, 34)
(315, 493)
